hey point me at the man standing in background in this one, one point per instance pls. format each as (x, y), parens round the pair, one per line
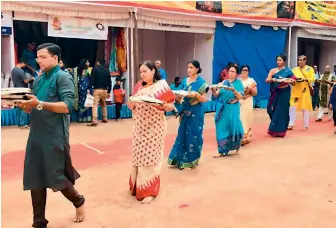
(325, 87)
(30, 56)
(316, 96)
(101, 84)
(20, 80)
(162, 71)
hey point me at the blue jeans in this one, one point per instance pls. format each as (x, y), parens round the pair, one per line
(21, 117)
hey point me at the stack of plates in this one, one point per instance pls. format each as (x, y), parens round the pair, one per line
(288, 80)
(146, 99)
(9, 96)
(219, 86)
(181, 93)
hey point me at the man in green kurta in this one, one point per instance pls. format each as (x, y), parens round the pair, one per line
(48, 162)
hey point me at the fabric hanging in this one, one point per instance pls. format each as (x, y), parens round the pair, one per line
(121, 50)
(114, 71)
(107, 47)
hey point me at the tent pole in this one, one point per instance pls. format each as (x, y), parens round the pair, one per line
(132, 81)
(136, 49)
(289, 45)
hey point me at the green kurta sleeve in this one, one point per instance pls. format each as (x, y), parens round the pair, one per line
(66, 89)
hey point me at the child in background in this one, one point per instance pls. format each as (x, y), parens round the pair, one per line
(332, 104)
(119, 95)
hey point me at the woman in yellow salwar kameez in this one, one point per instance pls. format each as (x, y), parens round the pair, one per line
(301, 99)
(149, 131)
(246, 104)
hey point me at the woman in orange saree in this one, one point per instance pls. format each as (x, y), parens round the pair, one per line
(149, 132)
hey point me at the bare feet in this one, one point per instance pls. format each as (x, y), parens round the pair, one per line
(186, 169)
(147, 200)
(219, 156)
(80, 214)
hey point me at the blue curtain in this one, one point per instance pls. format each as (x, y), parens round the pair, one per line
(244, 45)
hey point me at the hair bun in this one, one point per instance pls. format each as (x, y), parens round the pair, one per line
(199, 70)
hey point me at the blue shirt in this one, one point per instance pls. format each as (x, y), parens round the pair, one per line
(333, 98)
(163, 74)
(317, 76)
(174, 87)
(30, 57)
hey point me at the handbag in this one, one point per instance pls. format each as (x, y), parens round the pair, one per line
(311, 89)
(89, 101)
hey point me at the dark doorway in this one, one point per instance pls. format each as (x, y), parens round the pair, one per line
(310, 48)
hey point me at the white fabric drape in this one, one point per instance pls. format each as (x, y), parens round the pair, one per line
(87, 11)
(174, 21)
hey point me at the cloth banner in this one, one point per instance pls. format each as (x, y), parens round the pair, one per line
(245, 45)
(76, 27)
(322, 12)
(245, 9)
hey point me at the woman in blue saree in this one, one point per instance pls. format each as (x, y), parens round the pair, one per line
(229, 129)
(83, 80)
(280, 92)
(186, 151)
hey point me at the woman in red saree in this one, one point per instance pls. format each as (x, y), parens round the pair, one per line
(149, 131)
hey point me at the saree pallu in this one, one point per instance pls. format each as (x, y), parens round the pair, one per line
(246, 112)
(149, 132)
(246, 116)
(278, 105)
(229, 129)
(188, 145)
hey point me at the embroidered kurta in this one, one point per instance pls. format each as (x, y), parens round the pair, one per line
(300, 94)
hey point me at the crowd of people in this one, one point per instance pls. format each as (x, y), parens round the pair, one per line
(48, 161)
(290, 91)
(95, 81)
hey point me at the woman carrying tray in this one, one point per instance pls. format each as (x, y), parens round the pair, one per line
(229, 129)
(278, 105)
(149, 131)
(186, 151)
(246, 104)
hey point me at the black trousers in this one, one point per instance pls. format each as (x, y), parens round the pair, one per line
(334, 116)
(316, 97)
(39, 199)
(118, 107)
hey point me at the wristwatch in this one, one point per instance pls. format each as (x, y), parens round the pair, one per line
(39, 106)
